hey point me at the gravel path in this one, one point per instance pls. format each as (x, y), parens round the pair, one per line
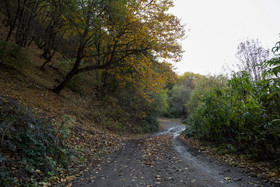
(164, 160)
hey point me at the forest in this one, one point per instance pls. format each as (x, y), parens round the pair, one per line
(123, 47)
(78, 76)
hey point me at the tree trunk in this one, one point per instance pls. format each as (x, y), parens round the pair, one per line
(10, 33)
(11, 19)
(74, 70)
(71, 74)
(68, 77)
(48, 59)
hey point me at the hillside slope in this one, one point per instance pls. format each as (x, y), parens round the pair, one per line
(24, 84)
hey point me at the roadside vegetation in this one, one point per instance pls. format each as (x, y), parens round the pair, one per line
(241, 114)
(237, 113)
(78, 77)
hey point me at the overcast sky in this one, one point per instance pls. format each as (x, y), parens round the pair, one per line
(218, 26)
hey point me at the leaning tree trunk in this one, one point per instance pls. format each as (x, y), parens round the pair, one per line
(76, 66)
(68, 77)
(64, 82)
(74, 71)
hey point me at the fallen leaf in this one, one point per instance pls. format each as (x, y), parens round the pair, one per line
(228, 179)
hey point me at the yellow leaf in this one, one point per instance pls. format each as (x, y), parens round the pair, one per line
(38, 171)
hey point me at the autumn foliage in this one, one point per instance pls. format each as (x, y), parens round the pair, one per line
(116, 54)
(128, 45)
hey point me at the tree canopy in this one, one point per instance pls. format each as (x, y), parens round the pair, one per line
(116, 34)
(110, 35)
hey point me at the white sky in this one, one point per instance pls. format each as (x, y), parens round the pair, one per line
(218, 26)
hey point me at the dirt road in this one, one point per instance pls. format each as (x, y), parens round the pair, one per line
(164, 160)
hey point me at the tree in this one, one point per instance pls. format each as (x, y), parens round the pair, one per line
(180, 93)
(49, 29)
(251, 55)
(204, 85)
(86, 21)
(36, 20)
(20, 15)
(273, 64)
(112, 32)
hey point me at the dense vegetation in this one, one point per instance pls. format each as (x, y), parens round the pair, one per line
(240, 114)
(36, 146)
(237, 113)
(179, 93)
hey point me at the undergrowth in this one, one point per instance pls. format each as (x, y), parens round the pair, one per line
(13, 54)
(33, 148)
(242, 118)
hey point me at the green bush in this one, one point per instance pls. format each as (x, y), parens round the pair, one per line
(75, 84)
(226, 148)
(150, 124)
(13, 54)
(32, 145)
(244, 115)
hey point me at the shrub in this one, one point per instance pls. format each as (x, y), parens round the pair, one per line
(150, 124)
(13, 54)
(245, 115)
(31, 145)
